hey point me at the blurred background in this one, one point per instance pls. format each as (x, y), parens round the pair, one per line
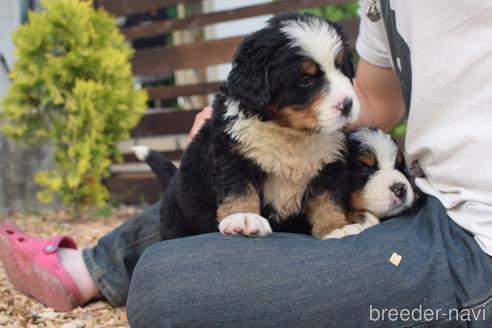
(182, 53)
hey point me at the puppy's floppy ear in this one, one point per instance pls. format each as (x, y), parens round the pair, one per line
(248, 81)
(348, 66)
(352, 143)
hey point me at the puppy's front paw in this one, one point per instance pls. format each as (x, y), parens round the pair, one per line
(248, 224)
(369, 220)
(353, 229)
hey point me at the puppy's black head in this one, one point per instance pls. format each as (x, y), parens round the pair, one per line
(296, 72)
(378, 183)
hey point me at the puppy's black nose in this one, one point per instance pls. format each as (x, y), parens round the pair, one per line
(399, 189)
(346, 106)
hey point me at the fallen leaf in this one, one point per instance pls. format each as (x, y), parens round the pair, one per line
(395, 259)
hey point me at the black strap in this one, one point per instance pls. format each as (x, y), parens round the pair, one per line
(400, 53)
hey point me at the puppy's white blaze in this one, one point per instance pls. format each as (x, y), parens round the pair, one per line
(250, 224)
(141, 152)
(341, 87)
(382, 145)
(318, 39)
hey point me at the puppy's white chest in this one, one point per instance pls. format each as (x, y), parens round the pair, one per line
(284, 195)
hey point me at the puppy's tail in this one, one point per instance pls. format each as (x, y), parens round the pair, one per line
(160, 165)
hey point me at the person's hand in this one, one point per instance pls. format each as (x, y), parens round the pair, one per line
(200, 119)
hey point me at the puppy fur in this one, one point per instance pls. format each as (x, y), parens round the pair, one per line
(274, 149)
(378, 183)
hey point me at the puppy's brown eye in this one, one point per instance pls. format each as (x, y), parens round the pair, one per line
(306, 81)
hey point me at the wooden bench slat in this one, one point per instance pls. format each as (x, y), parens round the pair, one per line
(162, 143)
(171, 92)
(172, 155)
(159, 122)
(196, 21)
(136, 188)
(162, 60)
(130, 7)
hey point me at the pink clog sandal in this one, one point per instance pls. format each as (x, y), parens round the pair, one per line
(34, 269)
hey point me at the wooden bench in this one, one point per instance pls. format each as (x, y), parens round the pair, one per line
(164, 126)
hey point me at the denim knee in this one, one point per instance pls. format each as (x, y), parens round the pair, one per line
(160, 295)
(143, 297)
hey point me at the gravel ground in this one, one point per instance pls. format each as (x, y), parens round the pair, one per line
(17, 310)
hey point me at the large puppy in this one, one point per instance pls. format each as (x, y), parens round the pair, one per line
(273, 148)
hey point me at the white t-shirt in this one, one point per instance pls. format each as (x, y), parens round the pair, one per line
(447, 45)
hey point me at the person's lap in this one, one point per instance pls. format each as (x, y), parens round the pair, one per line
(294, 280)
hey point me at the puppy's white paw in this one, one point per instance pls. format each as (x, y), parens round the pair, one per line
(248, 224)
(369, 220)
(348, 230)
(141, 152)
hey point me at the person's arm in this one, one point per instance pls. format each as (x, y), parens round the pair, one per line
(379, 93)
(200, 119)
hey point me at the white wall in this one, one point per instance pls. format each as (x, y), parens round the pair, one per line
(18, 163)
(230, 29)
(10, 16)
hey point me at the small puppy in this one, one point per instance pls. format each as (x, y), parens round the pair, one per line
(274, 148)
(378, 188)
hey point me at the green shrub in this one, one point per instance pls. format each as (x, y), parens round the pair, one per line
(72, 87)
(337, 12)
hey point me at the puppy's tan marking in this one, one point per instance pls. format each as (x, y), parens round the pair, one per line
(249, 202)
(357, 201)
(309, 67)
(355, 216)
(340, 58)
(298, 118)
(368, 158)
(324, 215)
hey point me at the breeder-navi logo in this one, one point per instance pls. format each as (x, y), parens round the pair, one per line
(423, 314)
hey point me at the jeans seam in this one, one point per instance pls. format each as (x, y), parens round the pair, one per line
(482, 304)
(98, 276)
(138, 242)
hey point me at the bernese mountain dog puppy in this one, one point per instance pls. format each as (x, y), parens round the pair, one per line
(378, 186)
(274, 148)
(378, 182)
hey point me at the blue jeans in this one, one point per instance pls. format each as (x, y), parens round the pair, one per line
(289, 280)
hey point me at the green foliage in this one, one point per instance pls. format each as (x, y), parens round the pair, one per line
(72, 87)
(400, 130)
(337, 12)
